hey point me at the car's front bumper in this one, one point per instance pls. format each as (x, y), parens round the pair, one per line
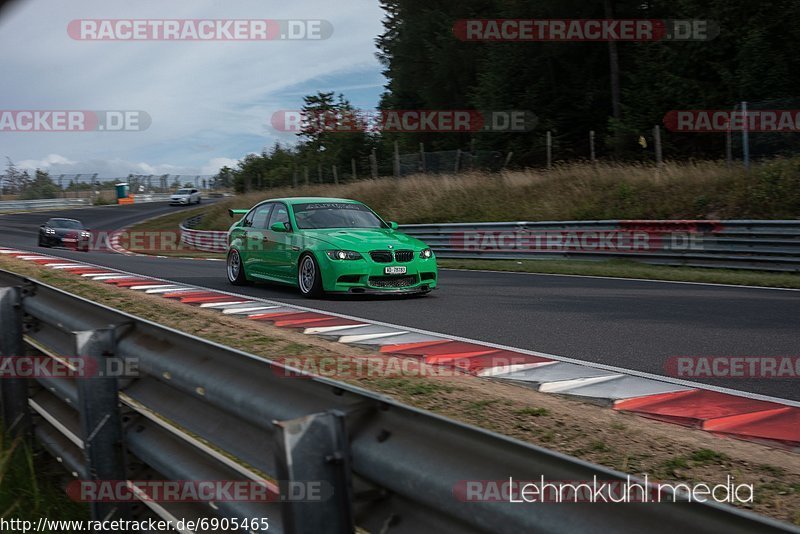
(366, 276)
(176, 201)
(65, 241)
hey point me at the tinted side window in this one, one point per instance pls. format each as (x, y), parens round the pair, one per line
(279, 215)
(261, 216)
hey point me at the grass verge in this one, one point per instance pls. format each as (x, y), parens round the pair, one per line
(631, 269)
(31, 485)
(617, 440)
(697, 190)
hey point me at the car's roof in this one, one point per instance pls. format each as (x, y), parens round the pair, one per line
(308, 200)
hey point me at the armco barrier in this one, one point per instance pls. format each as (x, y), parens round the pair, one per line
(44, 204)
(205, 240)
(199, 411)
(151, 197)
(735, 244)
(739, 244)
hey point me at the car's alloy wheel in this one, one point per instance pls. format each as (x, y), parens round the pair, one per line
(308, 277)
(235, 269)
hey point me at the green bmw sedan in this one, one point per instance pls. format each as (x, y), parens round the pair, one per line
(326, 245)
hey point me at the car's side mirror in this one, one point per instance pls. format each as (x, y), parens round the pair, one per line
(279, 227)
(393, 225)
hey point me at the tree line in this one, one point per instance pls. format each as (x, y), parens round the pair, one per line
(619, 90)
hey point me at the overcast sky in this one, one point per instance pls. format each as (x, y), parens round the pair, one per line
(210, 102)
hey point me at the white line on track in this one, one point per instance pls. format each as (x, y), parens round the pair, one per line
(622, 278)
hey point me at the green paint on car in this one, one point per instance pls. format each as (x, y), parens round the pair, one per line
(326, 245)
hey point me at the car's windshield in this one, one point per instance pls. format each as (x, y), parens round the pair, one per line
(182, 192)
(65, 223)
(335, 215)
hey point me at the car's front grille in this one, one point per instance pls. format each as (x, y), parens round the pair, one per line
(381, 256)
(392, 281)
(404, 256)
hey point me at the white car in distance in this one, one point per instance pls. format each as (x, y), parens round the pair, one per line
(185, 196)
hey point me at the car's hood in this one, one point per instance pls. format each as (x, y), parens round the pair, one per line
(63, 232)
(365, 239)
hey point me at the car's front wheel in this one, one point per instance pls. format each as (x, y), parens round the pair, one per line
(235, 269)
(309, 279)
(42, 243)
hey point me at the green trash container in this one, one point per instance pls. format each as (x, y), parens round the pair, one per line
(123, 190)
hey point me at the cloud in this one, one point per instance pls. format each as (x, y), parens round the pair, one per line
(56, 165)
(210, 102)
(49, 161)
(215, 164)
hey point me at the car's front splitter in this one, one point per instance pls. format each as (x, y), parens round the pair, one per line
(419, 290)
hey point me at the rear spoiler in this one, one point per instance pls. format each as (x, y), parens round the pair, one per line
(237, 212)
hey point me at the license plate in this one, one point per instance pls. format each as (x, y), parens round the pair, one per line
(394, 270)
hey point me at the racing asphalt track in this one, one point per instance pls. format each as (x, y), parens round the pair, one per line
(624, 323)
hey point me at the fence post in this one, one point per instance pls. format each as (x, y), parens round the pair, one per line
(458, 161)
(353, 168)
(657, 141)
(549, 150)
(591, 147)
(423, 166)
(98, 407)
(373, 163)
(729, 146)
(745, 137)
(312, 455)
(16, 416)
(335, 175)
(396, 160)
(508, 160)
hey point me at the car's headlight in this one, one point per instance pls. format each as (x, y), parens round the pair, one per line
(49, 231)
(344, 255)
(425, 253)
(86, 234)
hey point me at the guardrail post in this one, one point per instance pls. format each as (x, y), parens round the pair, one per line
(313, 467)
(14, 391)
(98, 405)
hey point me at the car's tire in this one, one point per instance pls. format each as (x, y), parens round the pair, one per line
(309, 277)
(235, 269)
(42, 243)
(199, 199)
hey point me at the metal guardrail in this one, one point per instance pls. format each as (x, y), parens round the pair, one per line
(151, 197)
(205, 240)
(196, 410)
(735, 244)
(50, 203)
